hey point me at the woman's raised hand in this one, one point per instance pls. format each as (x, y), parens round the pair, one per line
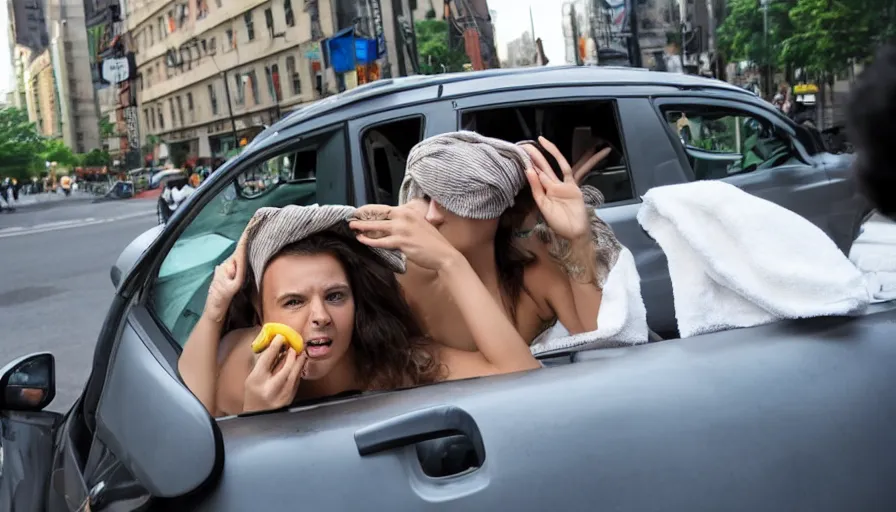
(561, 202)
(404, 228)
(227, 280)
(274, 381)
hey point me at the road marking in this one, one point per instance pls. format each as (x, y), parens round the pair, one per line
(67, 224)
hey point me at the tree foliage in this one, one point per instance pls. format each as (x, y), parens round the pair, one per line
(56, 151)
(742, 35)
(96, 158)
(436, 55)
(20, 145)
(821, 36)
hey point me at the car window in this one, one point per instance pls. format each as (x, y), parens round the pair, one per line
(574, 127)
(315, 171)
(385, 148)
(721, 142)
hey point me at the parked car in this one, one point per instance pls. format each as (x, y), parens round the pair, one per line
(796, 415)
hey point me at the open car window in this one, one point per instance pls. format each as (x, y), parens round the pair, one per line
(315, 171)
(722, 142)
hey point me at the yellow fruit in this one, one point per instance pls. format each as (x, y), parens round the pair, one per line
(268, 331)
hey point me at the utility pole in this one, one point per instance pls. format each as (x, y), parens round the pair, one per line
(683, 14)
(711, 38)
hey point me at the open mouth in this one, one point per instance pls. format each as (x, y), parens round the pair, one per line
(318, 347)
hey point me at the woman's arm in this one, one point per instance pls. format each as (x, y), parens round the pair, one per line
(198, 363)
(501, 348)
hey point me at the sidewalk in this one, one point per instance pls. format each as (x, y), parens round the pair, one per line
(26, 200)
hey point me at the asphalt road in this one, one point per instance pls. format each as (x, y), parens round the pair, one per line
(54, 280)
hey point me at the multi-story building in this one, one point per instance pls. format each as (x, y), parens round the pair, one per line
(212, 73)
(52, 81)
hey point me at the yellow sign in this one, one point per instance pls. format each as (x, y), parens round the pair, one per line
(805, 89)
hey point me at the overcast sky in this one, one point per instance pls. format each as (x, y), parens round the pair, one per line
(511, 21)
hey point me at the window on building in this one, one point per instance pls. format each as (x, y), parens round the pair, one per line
(152, 35)
(252, 86)
(180, 111)
(250, 26)
(171, 111)
(293, 75)
(190, 110)
(218, 3)
(183, 14)
(146, 118)
(213, 98)
(269, 21)
(231, 42)
(202, 10)
(273, 75)
(290, 16)
(162, 27)
(161, 118)
(212, 46)
(239, 90)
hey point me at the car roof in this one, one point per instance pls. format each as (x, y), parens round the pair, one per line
(503, 79)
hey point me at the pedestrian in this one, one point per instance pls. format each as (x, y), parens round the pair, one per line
(4, 195)
(872, 129)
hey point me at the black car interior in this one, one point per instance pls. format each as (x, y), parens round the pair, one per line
(573, 128)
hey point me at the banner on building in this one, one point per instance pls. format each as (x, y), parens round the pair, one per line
(378, 28)
(130, 119)
(31, 25)
(116, 71)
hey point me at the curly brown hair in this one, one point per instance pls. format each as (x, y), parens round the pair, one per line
(390, 348)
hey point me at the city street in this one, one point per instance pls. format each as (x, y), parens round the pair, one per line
(54, 280)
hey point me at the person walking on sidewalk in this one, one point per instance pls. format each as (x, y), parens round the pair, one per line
(5, 185)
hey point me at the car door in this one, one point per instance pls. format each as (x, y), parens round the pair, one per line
(742, 420)
(750, 148)
(644, 152)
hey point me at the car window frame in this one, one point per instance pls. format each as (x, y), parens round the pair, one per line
(683, 100)
(370, 177)
(560, 95)
(436, 120)
(291, 143)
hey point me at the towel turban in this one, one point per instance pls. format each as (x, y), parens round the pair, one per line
(470, 175)
(272, 229)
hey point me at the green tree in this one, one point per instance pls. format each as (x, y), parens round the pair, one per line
(20, 145)
(56, 151)
(742, 35)
(829, 34)
(96, 158)
(107, 128)
(436, 56)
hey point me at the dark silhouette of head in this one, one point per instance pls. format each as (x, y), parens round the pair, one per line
(872, 129)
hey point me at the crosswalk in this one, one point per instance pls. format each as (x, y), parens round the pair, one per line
(14, 231)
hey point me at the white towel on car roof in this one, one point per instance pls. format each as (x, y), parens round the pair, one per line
(621, 320)
(737, 260)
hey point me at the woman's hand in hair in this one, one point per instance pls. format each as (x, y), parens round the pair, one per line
(275, 379)
(227, 281)
(405, 229)
(560, 202)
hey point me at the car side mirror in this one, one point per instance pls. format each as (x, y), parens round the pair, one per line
(28, 383)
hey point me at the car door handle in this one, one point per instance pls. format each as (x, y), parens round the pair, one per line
(426, 424)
